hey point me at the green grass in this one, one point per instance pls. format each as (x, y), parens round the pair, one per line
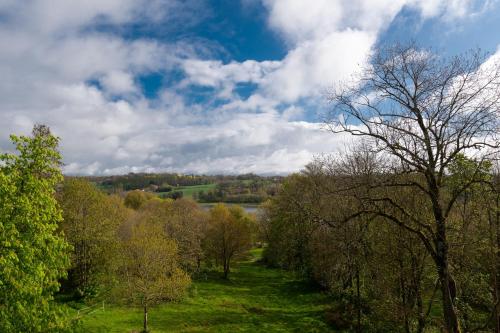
(187, 191)
(255, 299)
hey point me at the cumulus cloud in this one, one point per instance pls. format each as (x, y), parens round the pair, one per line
(314, 65)
(64, 63)
(118, 82)
(331, 39)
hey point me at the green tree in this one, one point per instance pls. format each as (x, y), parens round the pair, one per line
(148, 269)
(229, 235)
(33, 255)
(91, 220)
(135, 199)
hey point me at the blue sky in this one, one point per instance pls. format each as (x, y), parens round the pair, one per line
(204, 86)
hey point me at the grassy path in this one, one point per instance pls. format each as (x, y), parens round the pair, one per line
(255, 299)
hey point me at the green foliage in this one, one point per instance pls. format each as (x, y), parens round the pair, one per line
(91, 220)
(376, 270)
(173, 195)
(287, 227)
(466, 173)
(148, 266)
(183, 221)
(148, 269)
(135, 199)
(228, 236)
(33, 255)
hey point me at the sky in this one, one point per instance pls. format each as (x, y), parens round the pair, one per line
(204, 86)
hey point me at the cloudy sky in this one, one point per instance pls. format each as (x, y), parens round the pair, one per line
(203, 86)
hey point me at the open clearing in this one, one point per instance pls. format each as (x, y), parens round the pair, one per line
(255, 299)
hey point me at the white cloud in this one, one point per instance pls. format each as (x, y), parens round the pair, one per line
(118, 82)
(302, 20)
(58, 68)
(451, 9)
(330, 39)
(314, 65)
(225, 77)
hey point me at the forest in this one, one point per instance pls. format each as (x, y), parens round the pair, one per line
(399, 232)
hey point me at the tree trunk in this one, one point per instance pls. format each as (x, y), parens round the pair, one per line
(145, 319)
(358, 302)
(448, 288)
(402, 290)
(496, 275)
(449, 312)
(420, 308)
(226, 268)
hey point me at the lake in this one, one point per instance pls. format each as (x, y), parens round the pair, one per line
(249, 208)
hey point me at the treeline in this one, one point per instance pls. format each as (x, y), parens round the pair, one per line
(146, 181)
(381, 276)
(241, 190)
(67, 238)
(404, 228)
(166, 182)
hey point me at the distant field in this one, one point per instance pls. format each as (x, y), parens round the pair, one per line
(187, 191)
(255, 299)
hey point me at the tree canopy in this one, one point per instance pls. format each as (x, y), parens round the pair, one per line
(33, 254)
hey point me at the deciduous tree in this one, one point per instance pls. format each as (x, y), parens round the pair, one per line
(422, 111)
(91, 221)
(33, 255)
(148, 268)
(229, 235)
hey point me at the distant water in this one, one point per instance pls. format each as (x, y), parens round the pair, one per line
(247, 208)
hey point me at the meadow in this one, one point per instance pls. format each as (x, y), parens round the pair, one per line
(188, 191)
(254, 299)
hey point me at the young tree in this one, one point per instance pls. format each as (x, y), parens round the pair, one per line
(228, 235)
(135, 199)
(422, 112)
(182, 220)
(148, 270)
(33, 255)
(186, 223)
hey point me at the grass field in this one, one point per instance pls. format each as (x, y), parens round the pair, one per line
(255, 299)
(187, 191)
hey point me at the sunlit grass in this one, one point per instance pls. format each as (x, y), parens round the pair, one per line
(255, 299)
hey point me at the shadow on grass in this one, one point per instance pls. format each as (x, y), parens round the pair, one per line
(252, 278)
(254, 299)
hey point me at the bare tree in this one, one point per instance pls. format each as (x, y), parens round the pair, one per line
(422, 112)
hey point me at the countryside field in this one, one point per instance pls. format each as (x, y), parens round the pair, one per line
(255, 299)
(188, 191)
